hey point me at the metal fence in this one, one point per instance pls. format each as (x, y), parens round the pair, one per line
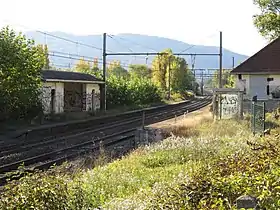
(258, 117)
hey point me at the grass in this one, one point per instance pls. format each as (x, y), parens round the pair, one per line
(204, 166)
(161, 163)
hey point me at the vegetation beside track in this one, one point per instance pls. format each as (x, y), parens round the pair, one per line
(208, 169)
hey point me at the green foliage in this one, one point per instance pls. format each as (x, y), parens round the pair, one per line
(160, 68)
(181, 78)
(136, 91)
(268, 21)
(139, 71)
(44, 191)
(85, 67)
(21, 62)
(44, 50)
(228, 80)
(209, 170)
(255, 172)
(96, 71)
(115, 69)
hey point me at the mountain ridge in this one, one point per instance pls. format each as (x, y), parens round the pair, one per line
(127, 42)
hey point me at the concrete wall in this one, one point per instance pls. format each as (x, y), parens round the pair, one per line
(243, 84)
(273, 84)
(58, 99)
(257, 85)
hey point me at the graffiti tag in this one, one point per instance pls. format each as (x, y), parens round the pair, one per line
(229, 105)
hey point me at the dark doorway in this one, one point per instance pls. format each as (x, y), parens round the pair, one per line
(73, 97)
(52, 100)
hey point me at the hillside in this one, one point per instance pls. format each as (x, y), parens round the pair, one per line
(131, 42)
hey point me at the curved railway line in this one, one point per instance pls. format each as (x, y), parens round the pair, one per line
(66, 142)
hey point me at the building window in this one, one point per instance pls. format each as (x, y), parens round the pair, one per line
(240, 76)
(270, 79)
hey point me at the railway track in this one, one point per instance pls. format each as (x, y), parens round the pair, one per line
(44, 152)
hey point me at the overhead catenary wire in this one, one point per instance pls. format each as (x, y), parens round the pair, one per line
(192, 46)
(56, 36)
(135, 43)
(112, 37)
(69, 40)
(83, 57)
(73, 55)
(73, 58)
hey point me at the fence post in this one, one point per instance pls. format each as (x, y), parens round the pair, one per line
(263, 117)
(240, 98)
(254, 117)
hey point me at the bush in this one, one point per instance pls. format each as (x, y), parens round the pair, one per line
(44, 191)
(125, 92)
(21, 62)
(209, 170)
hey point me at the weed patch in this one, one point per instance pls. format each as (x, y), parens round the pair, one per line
(207, 166)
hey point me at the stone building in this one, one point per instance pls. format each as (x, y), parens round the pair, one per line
(70, 92)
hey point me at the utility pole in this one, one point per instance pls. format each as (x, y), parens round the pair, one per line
(104, 73)
(233, 62)
(169, 78)
(221, 60)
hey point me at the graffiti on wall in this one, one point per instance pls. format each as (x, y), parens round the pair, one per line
(229, 105)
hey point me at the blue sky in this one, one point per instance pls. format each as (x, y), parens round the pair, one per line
(191, 21)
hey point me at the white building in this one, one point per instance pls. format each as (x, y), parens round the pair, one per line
(260, 74)
(70, 91)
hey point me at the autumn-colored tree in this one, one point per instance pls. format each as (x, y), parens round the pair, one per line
(160, 69)
(115, 69)
(95, 70)
(167, 67)
(268, 21)
(83, 66)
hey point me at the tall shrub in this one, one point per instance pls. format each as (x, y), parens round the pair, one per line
(20, 64)
(133, 91)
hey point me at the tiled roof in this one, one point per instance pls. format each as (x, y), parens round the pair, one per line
(66, 75)
(267, 60)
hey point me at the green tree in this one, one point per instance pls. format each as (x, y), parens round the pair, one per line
(228, 79)
(181, 77)
(168, 66)
(115, 69)
(139, 71)
(21, 62)
(268, 21)
(46, 56)
(44, 50)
